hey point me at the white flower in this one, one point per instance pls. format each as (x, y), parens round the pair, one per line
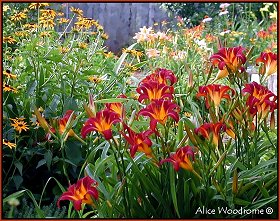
(224, 32)
(224, 5)
(206, 20)
(152, 52)
(223, 13)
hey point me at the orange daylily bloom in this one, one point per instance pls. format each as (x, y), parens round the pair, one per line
(162, 76)
(260, 100)
(62, 124)
(181, 159)
(269, 61)
(80, 193)
(228, 60)
(211, 131)
(138, 141)
(58, 125)
(117, 107)
(153, 90)
(102, 123)
(214, 93)
(159, 111)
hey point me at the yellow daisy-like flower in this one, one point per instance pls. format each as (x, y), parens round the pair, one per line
(46, 22)
(95, 79)
(19, 124)
(18, 16)
(49, 13)
(9, 74)
(30, 27)
(63, 50)
(77, 11)
(99, 27)
(63, 20)
(109, 54)
(188, 114)
(82, 45)
(9, 144)
(6, 8)
(9, 39)
(44, 34)
(37, 5)
(21, 33)
(104, 36)
(60, 14)
(8, 88)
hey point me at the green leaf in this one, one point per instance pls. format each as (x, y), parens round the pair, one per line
(90, 170)
(173, 189)
(18, 181)
(111, 100)
(70, 104)
(48, 159)
(14, 195)
(73, 151)
(19, 166)
(30, 87)
(241, 202)
(41, 163)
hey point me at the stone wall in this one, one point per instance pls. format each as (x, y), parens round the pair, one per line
(121, 20)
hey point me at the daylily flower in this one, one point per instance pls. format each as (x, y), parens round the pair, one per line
(159, 111)
(153, 90)
(62, 124)
(162, 76)
(102, 123)
(181, 159)
(260, 100)
(117, 107)
(57, 125)
(138, 141)
(152, 53)
(214, 93)
(211, 131)
(269, 61)
(228, 60)
(81, 193)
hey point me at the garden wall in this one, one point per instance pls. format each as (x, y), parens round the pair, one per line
(121, 20)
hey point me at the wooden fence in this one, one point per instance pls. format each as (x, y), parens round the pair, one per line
(120, 20)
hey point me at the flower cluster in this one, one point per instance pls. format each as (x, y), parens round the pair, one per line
(158, 90)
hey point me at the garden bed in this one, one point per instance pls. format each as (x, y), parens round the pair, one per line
(172, 127)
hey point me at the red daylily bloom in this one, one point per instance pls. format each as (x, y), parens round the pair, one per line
(181, 159)
(211, 131)
(214, 93)
(117, 107)
(228, 60)
(58, 125)
(263, 34)
(138, 141)
(82, 192)
(153, 90)
(62, 123)
(102, 123)
(162, 76)
(260, 100)
(159, 111)
(269, 61)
